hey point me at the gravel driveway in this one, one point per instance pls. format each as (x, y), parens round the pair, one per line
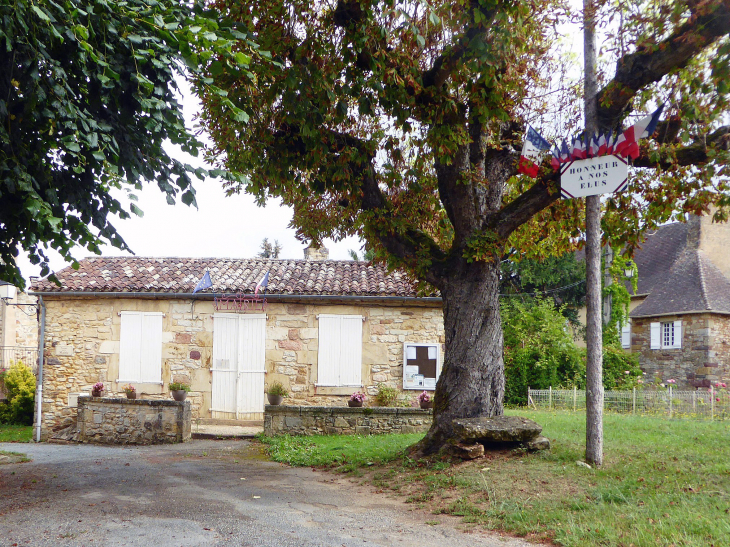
(201, 493)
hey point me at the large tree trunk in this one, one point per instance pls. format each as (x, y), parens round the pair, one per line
(472, 378)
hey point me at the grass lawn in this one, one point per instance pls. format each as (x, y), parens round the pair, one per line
(663, 483)
(16, 433)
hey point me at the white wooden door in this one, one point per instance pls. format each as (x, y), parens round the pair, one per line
(238, 367)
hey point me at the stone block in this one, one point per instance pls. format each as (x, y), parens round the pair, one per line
(183, 338)
(362, 430)
(497, 429)
(540, 443)
(290, 344)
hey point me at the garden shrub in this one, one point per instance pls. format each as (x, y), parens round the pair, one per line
(20, 389)
(386, 396)
(539, 350)
(620, 369)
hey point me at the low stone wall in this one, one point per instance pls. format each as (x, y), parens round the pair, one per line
(133, 421)
(329, 420)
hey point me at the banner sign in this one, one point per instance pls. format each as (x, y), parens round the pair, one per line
(593, 176)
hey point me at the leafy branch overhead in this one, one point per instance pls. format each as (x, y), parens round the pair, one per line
(89, 92)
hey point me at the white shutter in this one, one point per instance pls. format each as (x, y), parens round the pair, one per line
(150, 357)
(225, 363)
(626, 336)
(328, 353)
(656, 332)
(130, 338)
(351, 351)
(677, 334)
(251, 365)
(339, 357)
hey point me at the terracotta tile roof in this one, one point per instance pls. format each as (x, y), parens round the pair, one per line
(287, 277)
(693, 283)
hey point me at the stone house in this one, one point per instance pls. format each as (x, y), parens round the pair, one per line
(680, 314)
(18, 327)
(325, 329)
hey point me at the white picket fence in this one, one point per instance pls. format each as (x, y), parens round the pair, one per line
(711, 404)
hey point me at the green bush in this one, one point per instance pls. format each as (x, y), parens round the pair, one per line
(539, 350)
(620, 369)
(20, 389)
(386, 396)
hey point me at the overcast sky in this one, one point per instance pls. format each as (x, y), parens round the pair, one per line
(230, 227)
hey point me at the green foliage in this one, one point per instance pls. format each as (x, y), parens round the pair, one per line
(15, 433)
(623, 270)
(20, 385)
(561, 278)
(345, 452)
(277, 388)
(386, 395)
(88, 95)
(539, 350)
(179, 386)
(620, 369)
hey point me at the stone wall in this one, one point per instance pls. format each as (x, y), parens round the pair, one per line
(323, 420)
(82, 348)
(704, 357)
(125, 421)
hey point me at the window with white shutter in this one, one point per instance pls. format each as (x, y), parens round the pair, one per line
(626, 335)
(140, 347)
(666, 335)
(339, 357)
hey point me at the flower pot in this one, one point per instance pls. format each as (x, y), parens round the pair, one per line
(131, 395)
(274, 399)
(97, 393)
(179, 394)
(425, 405)
(354, 404)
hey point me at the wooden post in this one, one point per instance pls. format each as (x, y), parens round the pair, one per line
(670, 401)
(594, 327)
(575, 396)
(633, 403)
(550, 398)
(712, 402)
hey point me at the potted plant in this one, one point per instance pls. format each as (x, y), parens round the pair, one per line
(425, 401)
(97, 389)
(276, 393)
(179, 390)
(130, 391)
(356, 399)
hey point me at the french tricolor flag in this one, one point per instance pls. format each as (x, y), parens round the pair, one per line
(627, 144)
(262, 284)
(534, 145)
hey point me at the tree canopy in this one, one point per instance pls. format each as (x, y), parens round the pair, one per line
(403, 122)
(88, 96)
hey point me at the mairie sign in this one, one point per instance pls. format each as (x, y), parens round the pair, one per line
(593, 176)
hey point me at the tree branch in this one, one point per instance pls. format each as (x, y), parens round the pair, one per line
(694, 154)
(709, 21)
(524, 207)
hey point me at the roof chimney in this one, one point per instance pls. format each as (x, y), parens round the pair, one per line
(316, 253)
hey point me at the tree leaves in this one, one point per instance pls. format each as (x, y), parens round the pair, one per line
(89, 95)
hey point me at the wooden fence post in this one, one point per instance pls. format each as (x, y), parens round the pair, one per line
(550, 398)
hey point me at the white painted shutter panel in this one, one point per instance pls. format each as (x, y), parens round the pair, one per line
(150, 357)
(328, 353)
(130, 338)
(656, 332)
(351, 351)
(626, 336)
(251, 364)
(225, 363)
(677, 334)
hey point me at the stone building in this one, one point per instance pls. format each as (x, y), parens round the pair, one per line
(680, 314)
(327, 329)
(18, 327)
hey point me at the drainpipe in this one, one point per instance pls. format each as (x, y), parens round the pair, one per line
(39, 382)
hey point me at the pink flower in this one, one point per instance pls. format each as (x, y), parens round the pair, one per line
(723, 384)
(424, 397)
(671, 381)
(626, 372)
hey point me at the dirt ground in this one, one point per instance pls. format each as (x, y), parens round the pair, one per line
(202, 493)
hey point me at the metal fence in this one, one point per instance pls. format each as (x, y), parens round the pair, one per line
(712, 404)
(10, 354)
